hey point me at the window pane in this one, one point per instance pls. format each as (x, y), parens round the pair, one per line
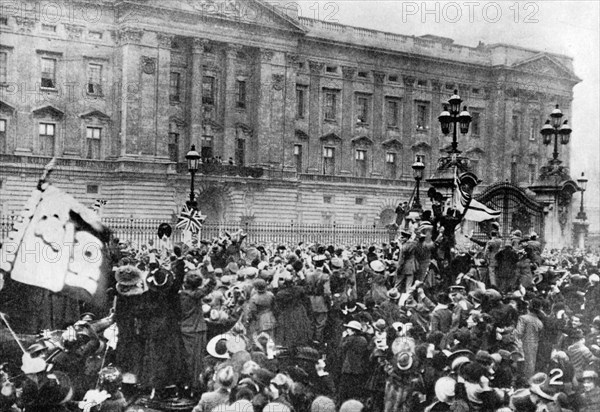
(94, 73)
(475, 123)
(3, 67)
(50, 130)
(2, 125)
(48, 72)
(208, 90)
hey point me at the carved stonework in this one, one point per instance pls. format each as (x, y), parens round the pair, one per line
(379, 77)
(564, 209)
(148, 65)
(278, 81)
(436, 85)
(409, 81)
(463, 88)
(348, 72)
(266, 55)
(74, 31)
(26, 24)
(200, 45)
(315, 67)
(164, 40)
(130, 36)
(292, 58)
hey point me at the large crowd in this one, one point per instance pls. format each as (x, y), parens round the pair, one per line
(410, 325)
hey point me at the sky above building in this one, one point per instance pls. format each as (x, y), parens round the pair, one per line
(566, 27)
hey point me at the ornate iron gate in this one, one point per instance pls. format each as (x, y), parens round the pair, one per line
(519, 211)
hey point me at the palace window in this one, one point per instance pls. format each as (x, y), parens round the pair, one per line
(93, 136)
(362, 109)
(331, 105)
(241, 94)
(534, 128)
(361, 163)
(393, 113)
(328, 160)
(175, 87)
(2, 135)
(516, 127)
(475, 123)
(391, 165)
(240, 152)
(48, 73)
(46, 138)
(300, 101)
(206, 152)
(94, 85)
(422, 117)
(208, 90)
(298, 157)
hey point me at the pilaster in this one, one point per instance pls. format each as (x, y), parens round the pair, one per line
(314, 116)
(348, 120)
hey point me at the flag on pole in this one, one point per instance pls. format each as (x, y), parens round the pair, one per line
(98, 205)
(190, 219)
(468, 207)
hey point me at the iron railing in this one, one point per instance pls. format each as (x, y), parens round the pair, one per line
(144, 231)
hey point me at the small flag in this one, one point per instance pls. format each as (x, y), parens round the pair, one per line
(190, 220)
(98, 204)
(470, 208)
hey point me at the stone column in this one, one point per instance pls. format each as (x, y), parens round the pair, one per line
(163, 83)
(314, 117)
(195, 107)
(580, 230)
(378, 155)
(262, 134)
(346, 155)
(227, 146)
(408, 126)
(289, 112)
(129, 41)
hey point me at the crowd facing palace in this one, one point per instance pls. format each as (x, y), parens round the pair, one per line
(413, 325)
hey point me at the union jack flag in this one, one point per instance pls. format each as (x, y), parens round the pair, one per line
(98, 205)
(190, 219)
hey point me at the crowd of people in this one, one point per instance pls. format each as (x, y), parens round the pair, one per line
(411, 325)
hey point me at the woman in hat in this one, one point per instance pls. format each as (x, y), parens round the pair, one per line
(259, 311)
(192, 324)
(292, 309)
(528, 332)
(354, 356)
(129, 311)
(163, 363)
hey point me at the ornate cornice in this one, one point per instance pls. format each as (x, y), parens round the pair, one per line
(200, 45)
(292, 58)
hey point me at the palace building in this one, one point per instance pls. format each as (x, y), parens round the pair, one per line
(296, 119)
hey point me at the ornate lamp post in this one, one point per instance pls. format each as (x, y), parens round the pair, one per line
(582, 183)
(418, 167)
(554, 128)
(193, 161)
(453, 115)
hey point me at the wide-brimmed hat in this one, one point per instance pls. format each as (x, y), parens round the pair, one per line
(130, 281)
(380, 325)
(377, 266)
(404, 360)
(393, 294)
(337, 263)
(521, 400)
(589, 374)
(460, 357)
(545, 391)
(353, 324)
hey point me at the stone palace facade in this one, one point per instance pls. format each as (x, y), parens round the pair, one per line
(296, 119)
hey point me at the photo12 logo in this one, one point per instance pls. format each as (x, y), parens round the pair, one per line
(469, 11)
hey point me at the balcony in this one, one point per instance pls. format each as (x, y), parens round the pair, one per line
(217, 169)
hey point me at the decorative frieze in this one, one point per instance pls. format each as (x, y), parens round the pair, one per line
(164, 40)
(129, 36)
(315, 67)
(26, 24)
(409, 81)
(74, 31)
(379, 77)
(266, 55)
(348, 72)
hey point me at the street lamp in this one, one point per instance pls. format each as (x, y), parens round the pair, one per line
(582, 182)
(418, 167)
(453, 115)
(554, 128)
(193, 161)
